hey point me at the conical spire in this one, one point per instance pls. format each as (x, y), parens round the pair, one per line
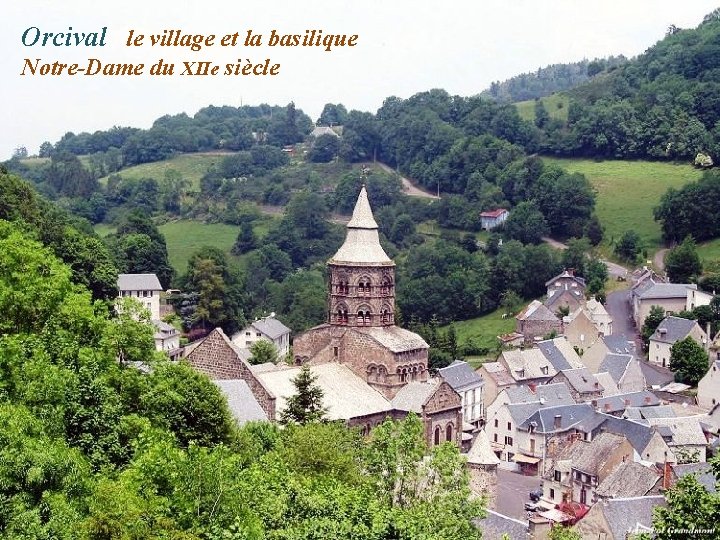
(362, 243)
(362, 216)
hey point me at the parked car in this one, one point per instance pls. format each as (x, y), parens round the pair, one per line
(531, 507)
(536, 494)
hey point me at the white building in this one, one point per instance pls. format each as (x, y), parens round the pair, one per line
(267, 328)
(167, 339)
(466, 382)
(709, 387)
(145, 288)
(670, 331)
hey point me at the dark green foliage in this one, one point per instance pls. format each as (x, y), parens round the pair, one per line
(333, 115)
(246, 240)
(629, 246)
(305, 406)
(526, 224)
(324, 149)
(679, 211)
(689, 361)
(575, 256)
(263, 351)
(682, 263)
(652, 321)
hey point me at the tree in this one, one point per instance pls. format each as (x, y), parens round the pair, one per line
(263, 351)
(324, 149)
(526, 224)
(130, 334)
(510, 302)
(559, 532)
(629, 246)
(652, 321)
(682, 263)
(246, 240)
(305, 406)
(332, 115)
(575, 256)
(594, 230)
(689, 361)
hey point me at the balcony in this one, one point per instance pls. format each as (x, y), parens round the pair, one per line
(537, 452)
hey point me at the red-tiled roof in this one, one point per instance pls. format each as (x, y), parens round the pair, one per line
(493, 213)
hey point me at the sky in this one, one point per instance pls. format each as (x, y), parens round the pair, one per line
(403, 47)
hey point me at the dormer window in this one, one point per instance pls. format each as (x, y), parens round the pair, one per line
(544, 370)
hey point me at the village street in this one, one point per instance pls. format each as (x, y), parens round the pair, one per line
(513, 492)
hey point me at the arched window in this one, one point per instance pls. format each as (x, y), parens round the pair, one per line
(437, 435)
(386, 286)
(449, 432)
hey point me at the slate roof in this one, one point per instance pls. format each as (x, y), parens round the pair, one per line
(495, 525)
(624, 515)
(498, 373)
(536, 311)
(546, 394)
(620, 402)
(528, 364)
(615, 365)
(619, 344)
(520, 412)
(703, 472)
(555, 296)
(596, 308)
(323, 130)
(638, 434)
(243, 405)
(582, 380)
(608, 383)
(656, 375)
(675, 329)
(481, 452)
(413, 395)
(560, 353)
(595, 453)
(345, 394)
(685, 430)
(395, 338)
(566, 274)
(643, 413)
(651, 290)
(270, 327)
(362, 243)
(460, 376)
(570, 415)
(629, 479)
(138, 282)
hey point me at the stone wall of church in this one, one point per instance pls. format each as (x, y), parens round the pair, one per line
(365, 289)
(215, 358)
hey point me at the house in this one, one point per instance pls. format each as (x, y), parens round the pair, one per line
(318, 131)
(589, 464)
(583, 385)
(697, 298)
(564, 301)
(672, 297)
(167, 339)
(671, 330)
(594, 355)
(708, 394)
(630, 479)
(469, 385)
(608, 383)
(527, 366)
(493, 218)
(625, 370)
(580, 330)
(560, 353)
(702, 471)
(617, 519)
(496, 379)
(537, 321)
(267, 328)
(497, 526)
(145, 288)
(565, 281)
(617, 404)
(684, 436)
(599, 315)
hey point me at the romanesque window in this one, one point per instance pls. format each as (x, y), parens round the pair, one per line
(363, 316)
(385, 315)
(437, 435)
(364, 285)
(386, 286)
(449, 432)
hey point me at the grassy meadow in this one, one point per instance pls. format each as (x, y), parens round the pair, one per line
(483, 331)
(556, 105)
(710, 252)
(627, 192)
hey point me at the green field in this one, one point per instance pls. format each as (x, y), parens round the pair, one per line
(484, 330)
(709, 251)
(627, 192)
(192, 167)
(556, 106)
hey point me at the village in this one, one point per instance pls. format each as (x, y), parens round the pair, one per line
(573, 424)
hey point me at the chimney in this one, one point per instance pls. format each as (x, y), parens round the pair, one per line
(558, 421)
(662, 331)
(627, 402)
(647, 400)
(532, 387)
(594, 403)
(607, 407)
(597, 384)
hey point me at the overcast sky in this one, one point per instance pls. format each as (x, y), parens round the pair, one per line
(404, 47)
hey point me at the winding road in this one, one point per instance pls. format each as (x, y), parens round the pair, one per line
(409, 187)
(615, 270)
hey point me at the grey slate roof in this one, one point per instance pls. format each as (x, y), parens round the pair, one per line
(656, 375)
(703, 472)
(652, 290)
(570, 295)
(395, 338)
(638, 434)
(520, 412)
(673, 329)
(547, 394)
(138, 282)
(629, 479)
(495, 525)
(595, 453)
(499, 374)
(413, 395)
(554, 356)
(643, 413)
(570, 415)
(615, 365)
(619, 344)
(620, 402)
(243, 405)
(270, 327)
(536, 311)
(582, 380)
(460, 376)
(624, 514)
(565, 274)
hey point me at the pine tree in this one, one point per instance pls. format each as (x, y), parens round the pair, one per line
(306, 405)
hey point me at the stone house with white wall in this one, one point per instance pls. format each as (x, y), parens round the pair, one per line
(625, 370)
(708, 395)
(672, 297)
(670, 331)
(536, 321)
(469, 385)
(145, 288)
(267, 328)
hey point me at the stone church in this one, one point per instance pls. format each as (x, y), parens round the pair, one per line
(361, 331)
(368, 368)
